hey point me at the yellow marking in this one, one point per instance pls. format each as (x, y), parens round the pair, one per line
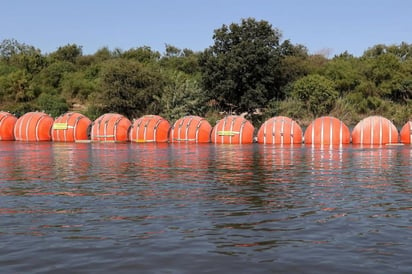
(83, 141)
(60, 126)
(227, 133)
(395, 144)
(143, 141)
(105, 136)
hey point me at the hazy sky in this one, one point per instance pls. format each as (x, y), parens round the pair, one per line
(320, 25)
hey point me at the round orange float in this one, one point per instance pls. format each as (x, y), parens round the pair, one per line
(7, 123)
(232, 130)
(110, 127)
(280, 130)
(327, 131)
(71, 127)
(33, 126)
(191, 129)
(375, 130)
(149, 129)
(406, 133)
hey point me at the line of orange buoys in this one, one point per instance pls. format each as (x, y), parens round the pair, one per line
(232, 129)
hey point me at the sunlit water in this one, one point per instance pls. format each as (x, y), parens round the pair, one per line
(136, 208)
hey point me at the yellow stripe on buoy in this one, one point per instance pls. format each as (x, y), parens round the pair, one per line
(144, 141)
(60, 126)
(83, 141)
(227, 133)
(394, 144)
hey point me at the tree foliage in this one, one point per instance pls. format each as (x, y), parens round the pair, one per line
(52, 104)
(316, 92)
(240, 71)
(248, 68)
(182, 96)
(69, 53)
(129, 88)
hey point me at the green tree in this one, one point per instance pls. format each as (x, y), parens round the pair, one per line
(129, 88)
(142, 54)
(51, 76)
(184, 60)
(76, 86)
(403, 51)
(381, 68)
(241, 70)
(103, 54)
(52, 104)
(389, 68)
(21, 56)
(68, 53)
(294, 62)
(181, 96)
(344, 71)
(316, 92)
(16, 87)
(11, 47)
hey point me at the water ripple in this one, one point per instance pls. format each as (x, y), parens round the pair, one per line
(204, 208)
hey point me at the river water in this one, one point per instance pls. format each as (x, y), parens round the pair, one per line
(146, 208)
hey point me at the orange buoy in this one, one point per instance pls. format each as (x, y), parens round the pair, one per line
(71, 127)
(149, 129)
(375, 130)
(191, 129)
(7, 123)
(327, 131)
(232, 130)
(280, 130)
(406, 133)
(33, 126)
(110, 127)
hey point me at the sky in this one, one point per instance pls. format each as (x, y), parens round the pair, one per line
(322, 26)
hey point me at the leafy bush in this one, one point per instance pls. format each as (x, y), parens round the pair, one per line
(51, 104)
(316, 92)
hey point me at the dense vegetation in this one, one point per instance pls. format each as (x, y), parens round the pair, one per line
(248, 70)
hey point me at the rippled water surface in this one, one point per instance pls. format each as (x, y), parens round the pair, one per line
(137, 208)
